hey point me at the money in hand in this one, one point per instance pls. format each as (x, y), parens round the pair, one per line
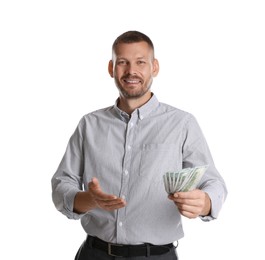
(184, 180)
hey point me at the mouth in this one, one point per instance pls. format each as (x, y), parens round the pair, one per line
(132, 80)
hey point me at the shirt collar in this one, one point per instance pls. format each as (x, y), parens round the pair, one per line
(142, 111)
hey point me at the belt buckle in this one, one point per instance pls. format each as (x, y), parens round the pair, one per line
(109, 249)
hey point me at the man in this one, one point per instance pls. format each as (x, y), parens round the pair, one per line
(111, 176)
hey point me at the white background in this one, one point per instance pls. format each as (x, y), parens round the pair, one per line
(53, 70)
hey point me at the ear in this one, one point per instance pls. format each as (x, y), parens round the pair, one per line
(155, 67)
(110, 68)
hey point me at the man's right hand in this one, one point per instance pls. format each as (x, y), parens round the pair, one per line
(94, 197)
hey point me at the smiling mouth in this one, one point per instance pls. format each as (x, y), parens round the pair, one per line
(132, 81)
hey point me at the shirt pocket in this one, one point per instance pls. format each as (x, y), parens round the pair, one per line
(157, 159)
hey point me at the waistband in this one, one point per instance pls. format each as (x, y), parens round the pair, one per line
(120, 250)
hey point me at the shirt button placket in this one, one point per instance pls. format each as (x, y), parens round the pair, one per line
(125, 178)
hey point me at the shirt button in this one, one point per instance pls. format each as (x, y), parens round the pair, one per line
(129, 147)
(120, 224)
(126, 172)
(131, 124)
(123, 197)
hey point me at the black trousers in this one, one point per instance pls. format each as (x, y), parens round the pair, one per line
(86, 252)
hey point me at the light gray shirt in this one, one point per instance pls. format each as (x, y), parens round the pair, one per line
(129, 155)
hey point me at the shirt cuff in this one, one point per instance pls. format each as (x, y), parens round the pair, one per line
(69, 205)
(217, 201)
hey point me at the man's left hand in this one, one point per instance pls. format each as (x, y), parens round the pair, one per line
(192, 204)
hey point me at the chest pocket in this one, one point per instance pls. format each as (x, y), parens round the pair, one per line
(157, 159)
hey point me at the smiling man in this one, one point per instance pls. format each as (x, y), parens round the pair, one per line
(111, 175)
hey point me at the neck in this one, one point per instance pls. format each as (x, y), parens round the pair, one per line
(128, 105)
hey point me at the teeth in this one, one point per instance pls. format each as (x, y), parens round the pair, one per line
(132, 81)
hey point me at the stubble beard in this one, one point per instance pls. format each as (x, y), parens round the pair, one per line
(134, 94)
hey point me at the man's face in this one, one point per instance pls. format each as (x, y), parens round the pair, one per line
(133, 67)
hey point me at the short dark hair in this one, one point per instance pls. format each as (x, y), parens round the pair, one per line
(132, 37)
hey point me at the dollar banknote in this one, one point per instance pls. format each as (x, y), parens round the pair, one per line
(186, 179)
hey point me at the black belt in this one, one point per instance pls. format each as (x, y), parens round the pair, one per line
(120, 250)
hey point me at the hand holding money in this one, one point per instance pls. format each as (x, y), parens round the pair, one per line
(193, 203)
(181, 187)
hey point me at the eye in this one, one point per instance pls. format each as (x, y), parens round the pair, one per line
(140, 62)
(121, 62)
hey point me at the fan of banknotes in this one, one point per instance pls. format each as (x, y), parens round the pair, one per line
(184, 180)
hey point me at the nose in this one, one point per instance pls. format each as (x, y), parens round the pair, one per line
(131, 69)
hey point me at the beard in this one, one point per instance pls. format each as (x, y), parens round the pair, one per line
(133, 93)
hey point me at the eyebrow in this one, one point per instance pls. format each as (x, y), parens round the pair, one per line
(123, 58)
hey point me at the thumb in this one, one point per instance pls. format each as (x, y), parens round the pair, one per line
(94, 184)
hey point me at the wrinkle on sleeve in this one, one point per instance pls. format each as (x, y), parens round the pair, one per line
(196, 152)
(67, 180)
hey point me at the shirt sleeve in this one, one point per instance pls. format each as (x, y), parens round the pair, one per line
(196, 153)
(67, 180)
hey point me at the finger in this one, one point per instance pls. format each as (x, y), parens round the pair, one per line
(99, 195)
(119, 203)
(183, 195)
(94, 184)
(187, 207)
(111, 204)
(188, 214)
(179, 200)
(190, 202)
(113, 207)
(95, 188)
(187, 210)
